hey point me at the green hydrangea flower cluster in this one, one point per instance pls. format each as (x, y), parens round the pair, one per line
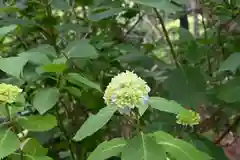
(8, 93)
(126, 91)
(189, 117)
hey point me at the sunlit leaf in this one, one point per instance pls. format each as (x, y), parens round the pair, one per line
(179, 149)
(165, 105)
(108, 149)
(81, 49)
(33, 147)
(95, 122)
(38, 123)
(45, 99)
(143, 147)
(78, 80)
(9, 142)
(13, 65)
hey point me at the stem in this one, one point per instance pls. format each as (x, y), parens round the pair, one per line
(206, 37)
(62, 128)
(140, 17)
(61, 125)
(138, 123)
(173, 53)
(8, 113)
(13, 126)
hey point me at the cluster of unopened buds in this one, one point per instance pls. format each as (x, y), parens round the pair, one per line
(126, 91)
(9, 93)
(188, 117)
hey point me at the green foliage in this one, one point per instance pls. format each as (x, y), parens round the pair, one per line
(32, 147)
(143, 147)
(9, 142)
(108, 149)
(64, 53)
(38, 123)
(45, 99)
(162, 104)
(94, 123)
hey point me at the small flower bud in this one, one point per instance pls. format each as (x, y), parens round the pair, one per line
(189, 117)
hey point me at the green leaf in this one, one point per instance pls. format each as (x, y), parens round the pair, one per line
(35, 58)
(143, 147)
(142, 109)
(9, 142)
(161, 136)
(39, 55)
(33, 147)
(179, 149)
(78, 80)
(108, 149)
(55, 68)
(60, 4)
(39, 123)
(13, 65)
(80, 49)
(186, 81)
(45, 99)
(164, 5)
(105, 14)
(6, 29)
(232, 63)
(165, 105)
(65, 28)
(74, 91)
(230, 91)
(95, 122)
(18, 156)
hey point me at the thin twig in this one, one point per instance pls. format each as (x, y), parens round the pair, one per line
(206, 37)
(234, 124)
(173, 53)
(133, 26)
(205, 123)
(64, 131)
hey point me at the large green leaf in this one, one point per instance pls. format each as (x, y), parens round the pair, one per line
(13, 65)
(105, 14)
(186, 85)
(95, 122)
(78, 80)
(80, 49)
(55, 68)
(143, 147)
(38, 123)
(33, 147)
(232, 63)
(230, 91)
(179, 149)
(6, 29)
(60, 4)
(165, 105)
(108, 149)
(45, 99)
(73, 91)
(35, 57)
(9, 142)
(39, 55)
(18, 156)
(165, 5)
